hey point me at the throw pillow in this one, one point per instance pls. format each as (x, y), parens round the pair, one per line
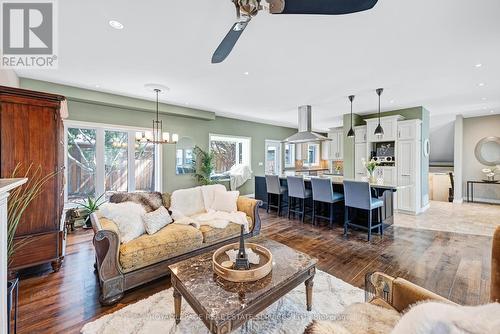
(209, 194)
(226, 201)
(149, 200)
(128, 218)
(186, 202)
(156, 220)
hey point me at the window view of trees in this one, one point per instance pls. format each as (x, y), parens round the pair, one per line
(83, 166)
(81, 163)
(229, 151)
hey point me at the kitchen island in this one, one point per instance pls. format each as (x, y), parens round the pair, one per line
(383, 191)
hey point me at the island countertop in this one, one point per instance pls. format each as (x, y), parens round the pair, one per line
(340, 180)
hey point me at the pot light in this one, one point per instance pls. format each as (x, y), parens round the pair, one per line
(483, 98)
(481, 84)
(115, 24)
(391, 101)
(492, 111)
(478, 65)
(246, 73)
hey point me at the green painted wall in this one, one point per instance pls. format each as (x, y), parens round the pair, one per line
(409, 113)
(198, 129)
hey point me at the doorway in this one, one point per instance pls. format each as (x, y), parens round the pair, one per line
(273, 157)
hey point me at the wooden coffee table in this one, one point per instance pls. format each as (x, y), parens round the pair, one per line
(224, 306)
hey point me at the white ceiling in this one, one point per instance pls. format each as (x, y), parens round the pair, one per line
(422, 52)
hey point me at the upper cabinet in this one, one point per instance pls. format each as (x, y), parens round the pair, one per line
(336, 145)
(389, 125)
(360, 134)
(409, 130)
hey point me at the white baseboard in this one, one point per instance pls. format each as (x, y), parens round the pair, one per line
(484, 200)
(425, 208)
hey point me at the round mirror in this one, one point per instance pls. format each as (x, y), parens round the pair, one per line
(488, 151)
(184, 156)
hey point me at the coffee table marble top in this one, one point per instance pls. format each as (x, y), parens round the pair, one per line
(218, 299)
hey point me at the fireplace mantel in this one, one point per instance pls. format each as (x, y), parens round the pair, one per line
(6, 185)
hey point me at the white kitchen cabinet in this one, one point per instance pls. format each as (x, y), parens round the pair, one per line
(336, 151)
(387, 173)
(360, 134)
(408, 163)
(326, 150)
(360, 152)
(409, 130)
(389, 125)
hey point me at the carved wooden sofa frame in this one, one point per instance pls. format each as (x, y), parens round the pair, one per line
(114, 282)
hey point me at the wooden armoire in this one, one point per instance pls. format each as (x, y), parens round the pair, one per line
(32, 132)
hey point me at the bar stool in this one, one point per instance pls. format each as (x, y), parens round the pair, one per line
(297, 191)
(358, 195)
(274, 187)
(322, 191)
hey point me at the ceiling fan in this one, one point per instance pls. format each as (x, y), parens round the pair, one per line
(247, 9)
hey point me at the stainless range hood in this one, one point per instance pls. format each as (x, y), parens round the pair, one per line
(305, 134)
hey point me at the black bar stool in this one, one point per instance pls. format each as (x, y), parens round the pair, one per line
(274, 187)
(322, 191)
(297, 191)
(358, 195)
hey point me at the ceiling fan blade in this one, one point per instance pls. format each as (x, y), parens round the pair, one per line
(227, 44)
(320, 7)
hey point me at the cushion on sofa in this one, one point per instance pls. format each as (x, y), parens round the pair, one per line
(226, 201)
(168, 242)
(213, 234)
(127, 216)
(151, 201)
(209, 194)
(186, 202)
(156, 220)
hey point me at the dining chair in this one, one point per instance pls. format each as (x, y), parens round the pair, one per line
(322, 192)
(297, 191)
(358, 196)
(274, 187)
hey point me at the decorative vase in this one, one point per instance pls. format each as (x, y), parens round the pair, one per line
(372, 178)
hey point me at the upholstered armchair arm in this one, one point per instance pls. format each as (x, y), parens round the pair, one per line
(250, 206)
(398, 292)
(107, 248)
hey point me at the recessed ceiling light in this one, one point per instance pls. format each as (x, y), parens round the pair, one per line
(97, 86)
(479, 65)
(483, 98)
(246, 73)
(485, 108)
(391, 101)
(492, 111)
(115, 24)
(481, 84)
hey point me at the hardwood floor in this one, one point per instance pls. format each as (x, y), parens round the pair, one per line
(456, 266)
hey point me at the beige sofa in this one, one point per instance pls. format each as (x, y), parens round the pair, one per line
(124, 266)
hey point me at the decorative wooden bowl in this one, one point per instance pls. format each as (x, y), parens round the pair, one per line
(255, 273)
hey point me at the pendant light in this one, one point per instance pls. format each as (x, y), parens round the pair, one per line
(379, 132)
(156, 136)
(351, 133)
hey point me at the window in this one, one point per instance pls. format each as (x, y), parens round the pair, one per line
(105, 159)
(312, 155)
(289, 155)
(229, 151)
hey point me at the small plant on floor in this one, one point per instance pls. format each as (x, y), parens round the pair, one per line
(370, 166)
(20, 199)
(90, 206)
(204, 162)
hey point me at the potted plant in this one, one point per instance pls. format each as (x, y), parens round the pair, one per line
(90, 206)
(19, 200)
(370, 167)
(204, 166)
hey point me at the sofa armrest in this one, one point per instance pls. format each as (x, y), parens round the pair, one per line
(250, 207)
(107, 249)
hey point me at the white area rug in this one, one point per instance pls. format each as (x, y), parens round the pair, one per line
(287, 315)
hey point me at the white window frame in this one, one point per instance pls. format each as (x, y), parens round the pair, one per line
(316, 162)
(99, 151)
(292, 155)
(236, 139)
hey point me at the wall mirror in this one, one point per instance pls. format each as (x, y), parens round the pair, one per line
(184, 157)
(488, 151)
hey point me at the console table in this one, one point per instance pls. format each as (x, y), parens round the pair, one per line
(471, 185)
